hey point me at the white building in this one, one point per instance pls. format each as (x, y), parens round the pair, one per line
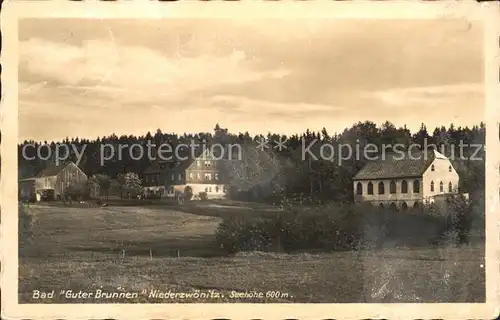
(404, 180)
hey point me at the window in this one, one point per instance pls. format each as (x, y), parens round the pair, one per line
(404, 186)
(450, 187)
(216, 188)
(381, 187)
(198, 176)
(172, 177)
(207, 163)
(449, 169)
(208, 176)
(224, 188)
(359, 188)
(206, 189)
(432, 186)
(441, 187)
(180, 176)
(216, 176)
(432, 168)
(209, 189)
(416, 186)
(392, 187)
(190, 175)
(370, 188)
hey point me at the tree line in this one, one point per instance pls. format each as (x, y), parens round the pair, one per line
(278, 173)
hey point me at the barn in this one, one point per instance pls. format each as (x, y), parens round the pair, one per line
(51, 183)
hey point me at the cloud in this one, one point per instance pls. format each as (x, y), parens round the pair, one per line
(433, 96)
(259, 108)
(131, 76)
(133, 73)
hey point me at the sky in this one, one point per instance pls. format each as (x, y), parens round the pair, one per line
(88, 78)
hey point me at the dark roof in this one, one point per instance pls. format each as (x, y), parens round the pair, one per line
(185, 158)
(157, 166)
(191, 157)
(52, 170)
(395, 165)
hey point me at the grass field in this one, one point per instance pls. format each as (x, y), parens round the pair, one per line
(139, 249)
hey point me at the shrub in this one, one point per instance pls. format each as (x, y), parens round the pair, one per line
(79, 191)
(330, 228)
(464, 217)
(26, 225)
(244, 233)
(203, 195)
(188, 193)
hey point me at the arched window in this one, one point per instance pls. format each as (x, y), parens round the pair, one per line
(404, 206)
(359, 188)
(392, 187)
(450, 187)
(432, 168)
(449, 169)
(416, 205)
(381, 188)
(404, 186)
(381, 206)
(441, 187)
(432, 186)
(370, 188)
(393, 206)
(416, 186)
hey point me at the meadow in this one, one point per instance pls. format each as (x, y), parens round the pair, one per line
(173, 249)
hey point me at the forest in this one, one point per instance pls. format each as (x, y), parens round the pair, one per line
(285, 171)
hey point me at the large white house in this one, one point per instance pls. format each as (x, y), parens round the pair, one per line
(401, 181)
(204, 172)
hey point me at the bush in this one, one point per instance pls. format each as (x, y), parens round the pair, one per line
(331, 228)
(26, 225)
(188, 193)
(240, 233)
(286, 231)
(464, 218)
(79, 191)
(203, 195)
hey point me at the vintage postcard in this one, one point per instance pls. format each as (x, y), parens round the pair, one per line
(201, 160)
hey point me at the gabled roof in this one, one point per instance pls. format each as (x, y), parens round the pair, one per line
(50, 171)
(397, 165)
(185, 157)
(158, 166)
(199, 153)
